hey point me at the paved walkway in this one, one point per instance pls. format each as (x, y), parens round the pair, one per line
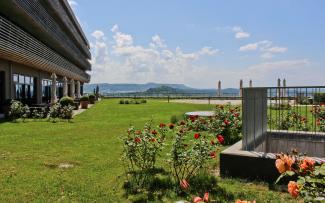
(80, 110)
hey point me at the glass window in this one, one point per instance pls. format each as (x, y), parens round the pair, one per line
(27, 80)
(21, 79)
(15, 78)
(24, 88)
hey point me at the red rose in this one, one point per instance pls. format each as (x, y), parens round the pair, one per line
(154, 132)
(171, 126)
(197, 136)
(161, 125)
(213, 154)
(137, 140)
(236, 114)
(220, 138)
(226, 122)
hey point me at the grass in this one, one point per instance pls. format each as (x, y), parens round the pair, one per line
(31, 152)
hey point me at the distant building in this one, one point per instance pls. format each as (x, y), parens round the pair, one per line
(40, 39)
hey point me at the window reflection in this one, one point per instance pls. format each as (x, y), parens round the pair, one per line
(24, 88)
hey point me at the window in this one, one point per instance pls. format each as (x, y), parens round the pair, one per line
(46, 90)
(24, 88)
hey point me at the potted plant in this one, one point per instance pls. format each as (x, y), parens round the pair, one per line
(84, 101)
(92, 99)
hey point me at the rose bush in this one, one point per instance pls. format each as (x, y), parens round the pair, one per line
(190, 153)
(319, 113)
(307, 176)
(227, 122)
(140, 151)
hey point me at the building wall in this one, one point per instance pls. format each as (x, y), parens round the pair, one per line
(11, 68)
(5, 66)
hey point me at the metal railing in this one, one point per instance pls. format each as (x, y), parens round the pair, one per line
(175, 96)
(283, 111)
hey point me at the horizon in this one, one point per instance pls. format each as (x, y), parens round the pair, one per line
(200, 43)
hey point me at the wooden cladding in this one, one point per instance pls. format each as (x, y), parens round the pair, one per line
(19, 46)
(51, 23)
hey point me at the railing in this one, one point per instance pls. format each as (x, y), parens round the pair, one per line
(283, 111)
(175, 96)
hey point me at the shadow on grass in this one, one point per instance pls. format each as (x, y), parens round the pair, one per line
(161, 187)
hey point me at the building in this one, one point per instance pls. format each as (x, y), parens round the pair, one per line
(43, 51)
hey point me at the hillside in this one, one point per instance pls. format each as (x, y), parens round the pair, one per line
(155, 89)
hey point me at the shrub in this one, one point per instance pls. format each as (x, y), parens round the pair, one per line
(54, 112)
(173, 119)
(126, 102)
(25, 112)
(121, 101)
(226, 122)
(38, 113)
(307, 177)
(60, 112)
(282, 106)
(84, 98)
(143, 101)
(140, 151)
(92, 98)
(66, 101)
(66, 112)
(319, 98)
(137, 102)
(16, 110)
(319, 114)
(190, 153)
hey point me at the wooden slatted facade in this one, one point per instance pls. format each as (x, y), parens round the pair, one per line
(39, 38)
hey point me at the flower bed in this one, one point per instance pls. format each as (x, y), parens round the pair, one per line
(307, 178)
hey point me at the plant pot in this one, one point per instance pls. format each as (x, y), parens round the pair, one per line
(84, 104)
(92, 101)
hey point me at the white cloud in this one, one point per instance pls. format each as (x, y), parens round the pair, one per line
(98, 34)
(157, 42)
(115, 28)
(254, 46)
(265, 47)
(277, 49)
(249, 47)
(239, 33)
(208, 51)
(284, 65)
(121, 60)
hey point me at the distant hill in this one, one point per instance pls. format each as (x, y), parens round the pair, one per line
(125, 87)
(154, 89)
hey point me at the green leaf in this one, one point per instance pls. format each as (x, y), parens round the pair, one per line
(290, 173)
(322, 169)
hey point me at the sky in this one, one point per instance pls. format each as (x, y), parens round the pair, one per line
(198, 43)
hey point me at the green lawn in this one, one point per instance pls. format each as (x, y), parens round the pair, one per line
(30, 152)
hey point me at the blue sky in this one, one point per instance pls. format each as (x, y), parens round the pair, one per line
(200, 42)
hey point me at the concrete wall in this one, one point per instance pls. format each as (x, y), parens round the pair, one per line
(309, 143)
(254, 117)
(5, 66)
